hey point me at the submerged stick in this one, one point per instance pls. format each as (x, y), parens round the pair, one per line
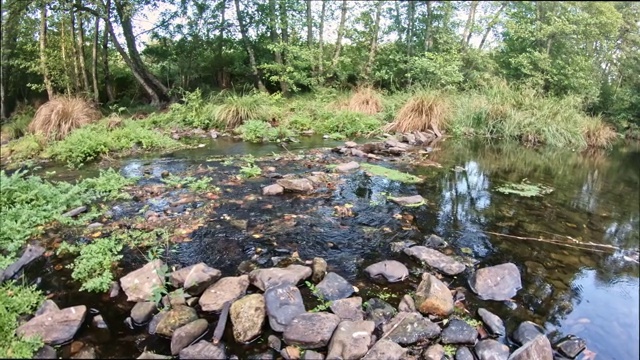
(222, 322)
(560, 242)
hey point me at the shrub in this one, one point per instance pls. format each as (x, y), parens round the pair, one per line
(17, 300)
(256, 131)
(365, 100)
(347, 123)
(237, 109)
(58, 117)
(26, 147)
(93, 266)
(420, 113)
(598, 134)
(18, 124)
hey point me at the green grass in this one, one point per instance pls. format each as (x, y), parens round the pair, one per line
(17, 300)
(390, 174)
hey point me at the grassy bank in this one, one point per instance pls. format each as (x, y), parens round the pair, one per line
(498, 112)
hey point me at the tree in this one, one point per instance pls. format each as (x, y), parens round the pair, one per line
(249, 49)
(43, 50)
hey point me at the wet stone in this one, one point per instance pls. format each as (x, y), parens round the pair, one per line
(459, 332)
(274, 342)
(140, 284)
(153, 324)
(175, 318)
(409, 328)
(399, 246)
(347, 166)
(247, 316)
(319, 269)
(291, 275)
(435, 242)
(334, 287)
(31, 253)
(391, 270)
(526, 332)
(204, 350)
(407, 304)
(187, 334)
(227, 289)
(379, 311)
(385, 349)
(571, 346)
(150, 355)
(46, 352)
(273, 189)
(87, 352)
(434, 352)
(296, 185)
(283, 303)
(47, 306)
(408, 200)
(436, 259)
(55, 327)
(195, 278)
(433, 297)
(537, 349)
(500, 282)
(114, 290)
(493, 322)
(312, 355)
(490, 349)
(351, 340)
(290, 353)
(311, 330)
(348, 309)
(463, 353)
(143, 312)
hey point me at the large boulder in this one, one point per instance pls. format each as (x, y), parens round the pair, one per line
(391, 270)
(409, 328)
(283, 303)
(351, 340)
(436, 259)
(537, 349)
(266, 278)
(433, 297)
(247, 317)
(311, 330)
(55, 327)
(187, 334)
(195, 278)
(334, 287)
(500, 282)
(227, 289)
(140, 284)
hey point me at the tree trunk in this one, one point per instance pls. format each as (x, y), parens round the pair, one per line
(68, 71)
(398, 21)
(221, 71)
(321, 39)
(343, 18)
(76, 54)
(94, 60)
(410, 28)
(491, 24)
(275, 40)
(81, 58)
(111, 96)
(466, 34)
(247, 45)
(374, 41)
(43, 50)
(284, 21)
(309, 25)
(428, 41)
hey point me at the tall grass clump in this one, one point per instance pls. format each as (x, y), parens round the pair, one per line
(18, 123)
(366, 101)
(422, 112)
(58, 117)
(235, 110)
(599, 135)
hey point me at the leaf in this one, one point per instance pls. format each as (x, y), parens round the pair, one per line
(466, 250)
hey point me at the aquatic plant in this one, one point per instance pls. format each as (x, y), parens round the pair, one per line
(524, 188)
(390, 174)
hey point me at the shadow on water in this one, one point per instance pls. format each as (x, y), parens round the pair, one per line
(570, 291)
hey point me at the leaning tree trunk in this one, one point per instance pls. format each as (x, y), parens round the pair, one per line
(43, 51)
(343, 18)
(94, 60)
(491, 24)
(466, 34)
(76, 54)
(81, 58)
(374, 42)
(247, 46)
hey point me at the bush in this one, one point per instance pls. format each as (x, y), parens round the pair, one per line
(347, 123)
(422, 112)
(17, 300)
(58, 117)
(366, 101)
(237, 109)
(18, 124)
(26, 147)
(93, 266)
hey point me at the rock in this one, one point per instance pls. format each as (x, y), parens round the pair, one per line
(435, 242)
(247, 317)
(195, 278)
(290, 353)
(312, 355)
(351, 340)
(153, 324)
(399, 246)
(436, 259)
(266, 278)
(493, 322)
(140, 284)
(75, 212)
(55, 327)
(414, 200)
(350, 144)
(347, 166)
(407, 304)
(47, 306)
(177, 297)
(274, 342)
(114, 290)
(526, 332)
(358, 153)
(409, 328)
(571, 346)
(319, 269)
(143, 311)
(283, 303)
(31, 253)
(227, 289)
(433, 297)
(490, 349)
(500, 282)
(204, 350)
(379, 311)
(175, 318)
(391, 270)
(537, 349)
(311, 330)
(348, 309)
(463, 353)
(46, 352)
(298, 185)
(411, 140)
(273, 189)
(334, 287)
(187, 334)
(392, 143)
(87, 352)
(385, 349)
(434, 352)
(459, 332)
(150, 355)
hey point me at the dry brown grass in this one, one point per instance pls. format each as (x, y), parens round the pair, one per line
(365, 100)
(599, 135)
(420, 113)
(58, 117)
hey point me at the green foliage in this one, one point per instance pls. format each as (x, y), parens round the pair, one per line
(17, 300)
(193, 112)
(18, 123)
(194, 184)
(348, 124)
(108, 185)
(390, 174)
(250, 170)
(26, 147)
(525, 189)
(235, 110)
(256, 131)
(323, 304)
(450, 350)
(93, 266)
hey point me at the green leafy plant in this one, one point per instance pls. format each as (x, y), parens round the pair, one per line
(390, 174)
(450, 350)
(250, 171)
(323, 304)
(194, 184)
(17, 300)
(94, 264)
(525, 189)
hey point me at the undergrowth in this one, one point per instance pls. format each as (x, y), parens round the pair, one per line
(17, 300)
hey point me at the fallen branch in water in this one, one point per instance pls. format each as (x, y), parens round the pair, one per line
(572, 243)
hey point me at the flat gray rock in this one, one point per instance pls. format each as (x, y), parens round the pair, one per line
(140, 284)
(500, 282)
(227, 289)
(347, 166)
(348, 309)
(55, 327)
(408, 200)
(409, 328)
(296, 185)
(334, 287)
(537, 349)
(204, 350)
(493, 322)
(385, 349)
(143, 311)
(459, 332)
(291, 275)
(273, 189)
(31, 253)
(526, 332)
(351, 340)
(490, 349)
(436, 259)
(283, 304)
(391, 270)
(311, 330)
(47, 306)
(187, 334)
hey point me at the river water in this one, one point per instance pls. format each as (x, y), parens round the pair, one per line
(596, 197)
